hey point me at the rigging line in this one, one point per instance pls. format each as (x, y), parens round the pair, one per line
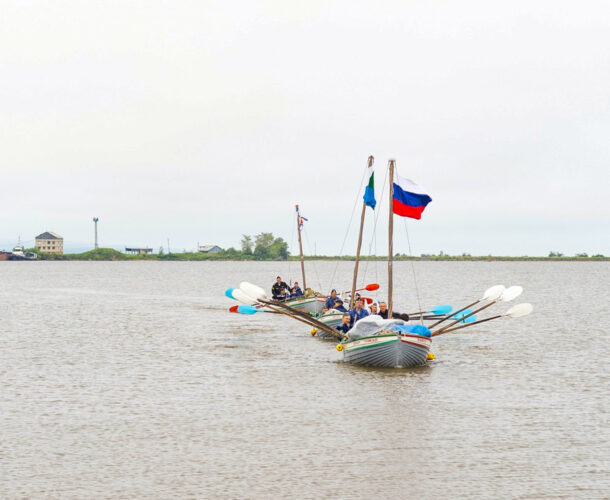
(332, 279)
(292, 243)
(313, 262)
(421, 320)
(375, 218)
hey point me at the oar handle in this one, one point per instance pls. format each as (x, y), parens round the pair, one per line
(440, 332)
(301, 316)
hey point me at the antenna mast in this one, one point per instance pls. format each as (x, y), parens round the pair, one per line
(301, 247)
(95, 219)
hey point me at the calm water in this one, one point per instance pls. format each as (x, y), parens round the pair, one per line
(130, 379)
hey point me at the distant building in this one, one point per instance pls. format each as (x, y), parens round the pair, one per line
(138, 251)
(209, 249)
(49, 242)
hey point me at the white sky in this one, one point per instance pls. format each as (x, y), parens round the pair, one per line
(200, 121)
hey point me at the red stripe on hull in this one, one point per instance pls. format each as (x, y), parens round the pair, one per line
(407, 210)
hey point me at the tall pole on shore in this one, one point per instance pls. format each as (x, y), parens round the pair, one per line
(351, 300)
(390, 238)
(95, 219)
(301, 248)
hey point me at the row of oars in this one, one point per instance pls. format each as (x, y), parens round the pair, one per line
(251, 295)
(253, 298)
(493, 295)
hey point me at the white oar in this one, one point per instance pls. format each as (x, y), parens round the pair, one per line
(257, 294)
(492, 293)
(507, 295)
(242, 297)
(514, 312)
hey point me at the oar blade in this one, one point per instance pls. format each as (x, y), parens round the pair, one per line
(372, 287)
(442, 309)
(254, 291)
(233, 309)
(242, 297)
(519, 310)
(494, 292)
(243, 309)
(511, 293)
(463, 313)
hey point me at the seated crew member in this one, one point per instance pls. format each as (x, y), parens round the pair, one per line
(339, 306)
(279, 289)
(374, 308)
(383, 312)
(296, 290)
(358, 312)
(345, 322)
(330, 301)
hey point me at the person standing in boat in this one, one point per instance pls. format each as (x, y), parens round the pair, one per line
(383, 312)
(357, 313)
(330, 301)
(280, 290)
(345, 322)
(296, 291)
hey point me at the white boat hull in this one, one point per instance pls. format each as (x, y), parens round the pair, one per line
(390, 350)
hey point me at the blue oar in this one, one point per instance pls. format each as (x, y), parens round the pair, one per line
(243, 309)
(442, 309)
(461, 314)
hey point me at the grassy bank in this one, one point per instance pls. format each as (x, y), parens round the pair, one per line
(109, 254)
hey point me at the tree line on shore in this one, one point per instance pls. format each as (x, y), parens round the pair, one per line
(265, 246)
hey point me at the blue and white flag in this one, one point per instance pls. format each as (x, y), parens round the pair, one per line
(369, 191)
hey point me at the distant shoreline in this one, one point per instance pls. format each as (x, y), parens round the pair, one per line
(108, 254)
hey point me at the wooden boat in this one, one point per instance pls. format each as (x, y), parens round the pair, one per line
(390, 343)
(332, 319)
(312, 304)
(393, 343)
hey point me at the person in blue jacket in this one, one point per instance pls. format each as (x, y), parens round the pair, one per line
(345, 322)
(357, 313)
(296, 291)
(330, 301)
(339, 306)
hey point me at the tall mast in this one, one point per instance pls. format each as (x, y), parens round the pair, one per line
(390, 238)
(351, 300)
(301, 248)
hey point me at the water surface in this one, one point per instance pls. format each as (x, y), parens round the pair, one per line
(131, 380)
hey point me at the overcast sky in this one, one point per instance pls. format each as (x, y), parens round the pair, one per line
(199, 121)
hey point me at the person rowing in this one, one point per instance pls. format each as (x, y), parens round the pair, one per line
(345, 324)
(330, 301)
(280, 290)
(383, 312)
(296, 291)
(339, 306)
(357, 313)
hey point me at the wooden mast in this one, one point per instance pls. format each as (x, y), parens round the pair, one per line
(351, 300)
(301, 249)
(390, 238)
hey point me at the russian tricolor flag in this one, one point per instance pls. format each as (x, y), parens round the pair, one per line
(410, 199)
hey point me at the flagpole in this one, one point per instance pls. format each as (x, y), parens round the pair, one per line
(301, 248)
(390, 238)
(351, 300)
